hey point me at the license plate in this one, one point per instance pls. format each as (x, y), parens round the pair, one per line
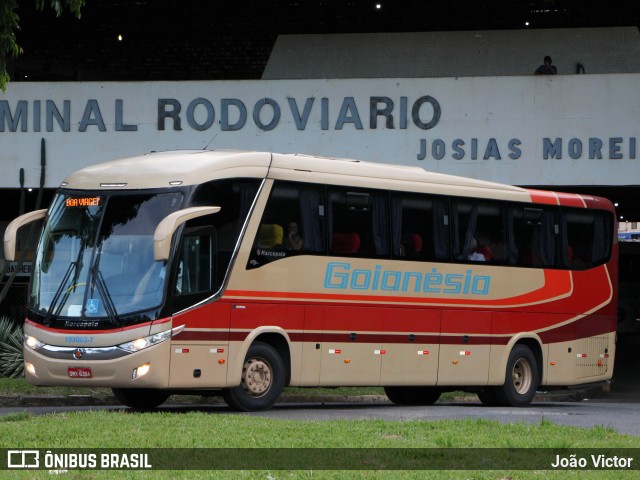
(79, 372)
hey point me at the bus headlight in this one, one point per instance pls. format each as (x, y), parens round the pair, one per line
(141, 371)
(145, 342)
(29, 367)
(32, 342)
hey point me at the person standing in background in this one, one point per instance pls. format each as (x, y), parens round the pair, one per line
(546, 68)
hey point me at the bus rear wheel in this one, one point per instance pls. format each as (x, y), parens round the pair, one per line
(262, 380)
(142, 398)
(521, 379)
(413, 395)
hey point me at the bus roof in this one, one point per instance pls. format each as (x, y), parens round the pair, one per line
(165, 169)
(192, 167)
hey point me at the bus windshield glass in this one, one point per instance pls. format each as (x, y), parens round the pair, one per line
(95, 256)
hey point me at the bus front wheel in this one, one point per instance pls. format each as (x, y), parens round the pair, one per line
(521, 380)
(262, 380)
(413, 395)
(142, 398)
(488, 397)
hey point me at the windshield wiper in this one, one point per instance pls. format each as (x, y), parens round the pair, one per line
(73, 266)
(103, 291)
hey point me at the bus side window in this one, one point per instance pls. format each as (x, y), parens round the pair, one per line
(419, 227)
(587, 240)
(291, 224)
(195, 268)
(358, 221)
(533, 236)
(478, 231)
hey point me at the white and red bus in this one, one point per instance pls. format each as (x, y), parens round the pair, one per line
(246, 272)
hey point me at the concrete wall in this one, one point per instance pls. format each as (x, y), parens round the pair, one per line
(454, 54)
(523, 130)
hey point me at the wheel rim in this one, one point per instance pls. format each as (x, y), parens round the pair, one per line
(256, 377)
(521, 376)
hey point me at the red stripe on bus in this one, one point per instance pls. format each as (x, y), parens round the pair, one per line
(543, 197)
(359, 339)
(571, 200)
(190, 335)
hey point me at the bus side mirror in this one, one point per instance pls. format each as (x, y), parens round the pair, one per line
(11, 233)
(169, 224)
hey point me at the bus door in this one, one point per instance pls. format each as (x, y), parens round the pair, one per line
(199, 354)
(465, 347)
(410, 350)
(351, 350)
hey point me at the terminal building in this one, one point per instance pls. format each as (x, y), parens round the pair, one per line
(447, 88)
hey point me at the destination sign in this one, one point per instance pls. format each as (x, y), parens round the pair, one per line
(83, 201)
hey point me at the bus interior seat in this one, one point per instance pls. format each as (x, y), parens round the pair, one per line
(270, 235)
(414, 245)
(486, 251)
(344, 243)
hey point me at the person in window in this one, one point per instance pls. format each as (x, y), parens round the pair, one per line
(476, 254)
(293, 240)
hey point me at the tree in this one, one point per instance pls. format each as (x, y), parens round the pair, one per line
(10, 24)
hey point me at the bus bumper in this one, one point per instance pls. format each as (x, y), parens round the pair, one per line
(147, 368)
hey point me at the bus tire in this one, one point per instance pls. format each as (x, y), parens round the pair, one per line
(488, 397)
(412, 395)
(521, 379)
(141, 398)
(262, 381)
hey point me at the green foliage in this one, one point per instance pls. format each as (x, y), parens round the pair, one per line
(74, 6)
(11, 360)
(10, 24)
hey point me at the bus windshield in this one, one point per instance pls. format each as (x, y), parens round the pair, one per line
(95, 256)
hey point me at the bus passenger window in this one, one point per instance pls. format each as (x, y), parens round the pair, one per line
(588, 238)
(195, 266)
(478, 231)
(534, 236)
(359, 223)
(292, 224)
(419, 227)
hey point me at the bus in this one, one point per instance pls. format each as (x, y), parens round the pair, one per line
(241, 273)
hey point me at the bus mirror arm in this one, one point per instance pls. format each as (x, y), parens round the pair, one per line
(169, 224)
(11, 233)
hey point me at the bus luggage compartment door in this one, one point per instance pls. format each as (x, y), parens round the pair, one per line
(465, 348)
(351, 352)
(410, 351)
(198, 366)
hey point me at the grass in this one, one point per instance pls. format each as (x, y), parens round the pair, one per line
(19, 386)
(124, 429)
(227, 433)
(197, 429)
